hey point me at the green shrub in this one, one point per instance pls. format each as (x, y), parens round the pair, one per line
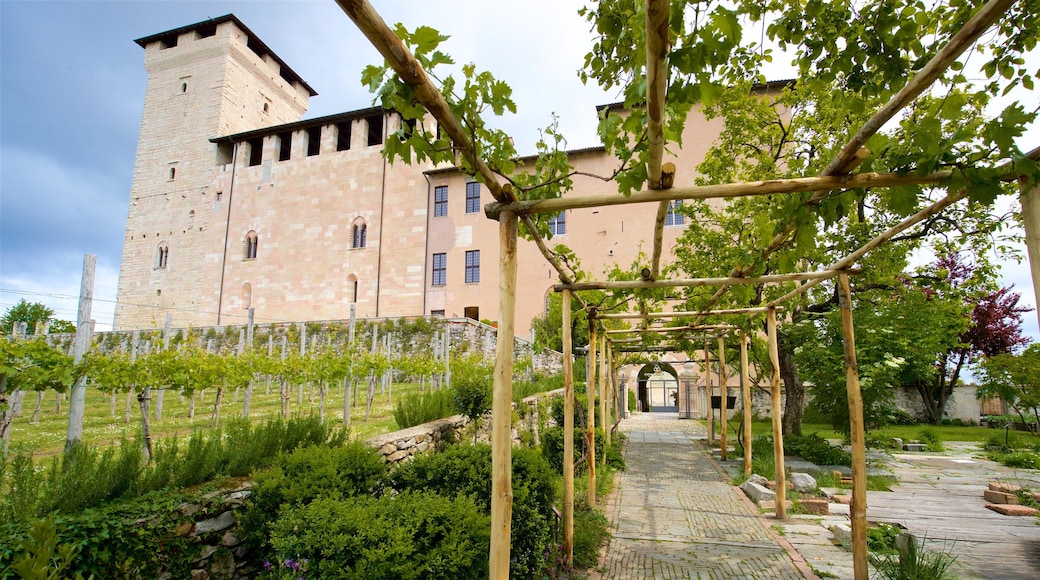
(633, 402)
(590, 532)
(814, 448)
(409, 536)
(86, 476)
(881, 538)
(466, 470)
(880, 441)
(915, 564)
(931, 439)
(418, 408)
(1020, 459)
(307, 474)
(552, 447)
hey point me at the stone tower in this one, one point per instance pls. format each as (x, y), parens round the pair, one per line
(204, 80)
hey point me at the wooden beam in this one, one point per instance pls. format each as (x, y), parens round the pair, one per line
(658, 329)
(656, 86)
(724, 190)
(411, 72)
(502, 401)
(964, 39)
(568, 432)
(723, 387)
(745, 388)
(689, 283)
(603, 373)
(692, 313)
(858, 510)
(590, 414)
(778, 433)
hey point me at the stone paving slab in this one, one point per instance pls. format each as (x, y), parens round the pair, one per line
(673, 515)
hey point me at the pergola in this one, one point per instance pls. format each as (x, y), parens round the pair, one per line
(838, 175)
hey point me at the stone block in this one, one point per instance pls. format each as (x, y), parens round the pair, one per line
(422, 446)
(803, 482)
(1012, 510)
(770, 505)
(840, 509)
(188, 509)
(199, 575)
(913, 446)
(217, 524)
(230, 539)
(757, 493)
(1000, 497)
(397, 456)
(184, 528)
(758, 479)
(406, 443)
(816, 507)
(1004, 487)
(845, 499)
(842, 534)
(387, 449)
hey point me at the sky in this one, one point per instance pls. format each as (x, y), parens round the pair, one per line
(72, 85)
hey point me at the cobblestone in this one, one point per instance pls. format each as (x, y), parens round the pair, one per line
(675, 516)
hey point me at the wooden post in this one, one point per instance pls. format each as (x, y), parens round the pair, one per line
(502, 400)
(723, 382)
(568, 432)
(84, 332)
(745, 387)
(603, 371)
(167, 329)
(858, 510)
(778, 433)
(707, 386)
(1030, 200)
(590, 414)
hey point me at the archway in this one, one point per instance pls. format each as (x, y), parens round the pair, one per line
(658, 388)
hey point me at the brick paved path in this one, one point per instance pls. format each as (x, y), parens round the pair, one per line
(674, 516)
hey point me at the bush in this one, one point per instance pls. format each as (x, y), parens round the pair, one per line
(590, 531)
(409, 536)
(930, 438)
(814, 448)
(1019, 459)
(418, 408)
(307, 474)
(552, 447)
(466, 470)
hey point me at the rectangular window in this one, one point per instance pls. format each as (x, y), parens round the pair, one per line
(284, 146)
(437, 313)
(407, 128)
(558, 224)
(375, 130)
(343, 136)
(472, 197)
(473, 266)
(256, 151)
(673, 217)
(440, 201)
(440, 269)
(313, 141)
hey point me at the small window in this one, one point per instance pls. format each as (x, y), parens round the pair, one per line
(267, 108)
(407, 128)
(173, 173)
(360, 234)
(440, 201)
(284, 146)
(343, 136)
(375, 130)
(673, 217)
(471, 312)
(473, 266)
(472, 197)
(558, 224)
(252, 243)
(163, 256)
(256, 151)
(440, 269)
(184, 87)
(437, 313)
(313, 141)
(354, 293)
(220, 196)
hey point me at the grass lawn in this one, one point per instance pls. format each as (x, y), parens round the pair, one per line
(102, 426)
(948, 433)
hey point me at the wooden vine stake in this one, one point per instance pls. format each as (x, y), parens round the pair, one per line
(568, 432)
(84, 334)
(856, 430)
(604, 370)
(723, 383)
(501, 405)
(778, 433)
(745, 388)
(590, 414)
(707, 385)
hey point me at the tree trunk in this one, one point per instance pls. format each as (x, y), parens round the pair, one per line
(247, 399)
(159, 404)
(299, 395)
(129, 405)
(794, 392)
(113, 406)
(36, 412)
(371, 394)
(284, 390)
(57, 403)
(347, 388)
(191, 406)
(321, 400)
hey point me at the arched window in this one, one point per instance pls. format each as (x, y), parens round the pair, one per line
(162, 255)
(173, 173)
(252, 241)
(360, 234)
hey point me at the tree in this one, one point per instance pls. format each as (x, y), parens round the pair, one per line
(27, 365)
(33, 314)
(1013, 378)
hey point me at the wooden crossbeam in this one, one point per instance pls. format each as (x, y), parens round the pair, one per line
(698, 313)
(695, 282)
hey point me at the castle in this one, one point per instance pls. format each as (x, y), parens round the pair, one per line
(239, 203)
